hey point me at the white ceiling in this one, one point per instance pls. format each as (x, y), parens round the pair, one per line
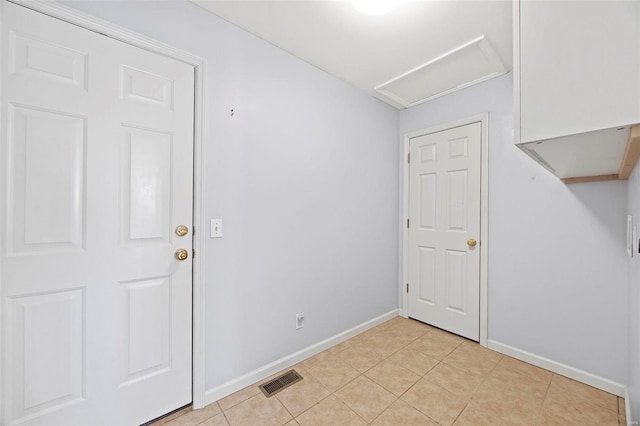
(367, 51)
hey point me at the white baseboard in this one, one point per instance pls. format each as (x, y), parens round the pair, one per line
(562, 369)
(265, 371)
(627, 409)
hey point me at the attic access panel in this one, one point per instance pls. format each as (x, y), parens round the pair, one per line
(469, 64)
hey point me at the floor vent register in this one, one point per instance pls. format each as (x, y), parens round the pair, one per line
(281, 382)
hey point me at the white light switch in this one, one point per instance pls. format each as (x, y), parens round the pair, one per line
(216, 228)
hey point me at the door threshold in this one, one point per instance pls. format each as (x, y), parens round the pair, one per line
(169, 416)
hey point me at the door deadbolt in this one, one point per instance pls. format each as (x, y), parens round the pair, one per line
(181, 230)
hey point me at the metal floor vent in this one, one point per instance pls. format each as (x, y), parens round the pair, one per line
(279, 383)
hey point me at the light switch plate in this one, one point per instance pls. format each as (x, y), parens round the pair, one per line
(216, 228)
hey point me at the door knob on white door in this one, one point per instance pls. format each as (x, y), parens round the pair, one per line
(181, 254)
(471, 242)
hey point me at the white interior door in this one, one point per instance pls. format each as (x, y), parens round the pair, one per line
(97, 159)
(444, 214)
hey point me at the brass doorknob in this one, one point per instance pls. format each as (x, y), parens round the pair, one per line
(181, 230)
(471, 242)
(181, 254)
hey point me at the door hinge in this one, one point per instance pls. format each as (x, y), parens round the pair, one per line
(193, 253)
(407, 287)
(409, 158)
(407, 222)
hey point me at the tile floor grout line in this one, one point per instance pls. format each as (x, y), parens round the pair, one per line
(546, 394)
(226, 418)
(462, 411)
(354, 411)
(286, 409)
(317, 403)
(430, 418)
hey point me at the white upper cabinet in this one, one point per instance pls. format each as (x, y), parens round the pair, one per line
(577, 83)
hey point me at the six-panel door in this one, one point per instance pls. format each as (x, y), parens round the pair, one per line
(444, 212)
(97, 157)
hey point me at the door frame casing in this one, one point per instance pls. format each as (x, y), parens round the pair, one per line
(483, 119)
(91, 23)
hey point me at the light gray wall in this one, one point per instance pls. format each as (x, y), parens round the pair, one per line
(557, 267)
(633, 208)
(305, 178)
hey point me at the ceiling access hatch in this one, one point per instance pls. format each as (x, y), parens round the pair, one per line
(469, 64)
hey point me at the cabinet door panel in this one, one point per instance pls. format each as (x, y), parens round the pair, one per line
(579, 65)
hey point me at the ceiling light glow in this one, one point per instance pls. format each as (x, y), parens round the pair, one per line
(375, 7)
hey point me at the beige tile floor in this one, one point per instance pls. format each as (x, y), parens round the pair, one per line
(404, 373)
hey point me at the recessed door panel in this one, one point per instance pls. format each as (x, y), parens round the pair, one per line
(48, 361)
(427, 274)
(46, 60)
(428, 153)
(145, 87)
(147, 185)
(457, 200)
(428, 201)
(458, 148)
(456, 279)
(47, 174)
(146, 307)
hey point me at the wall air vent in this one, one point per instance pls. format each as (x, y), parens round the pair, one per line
(469, 64)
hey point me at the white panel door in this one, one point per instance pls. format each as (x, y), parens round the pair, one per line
(97, 159)
(444, 215)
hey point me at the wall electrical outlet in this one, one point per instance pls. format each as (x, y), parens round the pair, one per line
(299, 320)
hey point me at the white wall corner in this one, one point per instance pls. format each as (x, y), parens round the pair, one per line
(265, 371)
(562, 369)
